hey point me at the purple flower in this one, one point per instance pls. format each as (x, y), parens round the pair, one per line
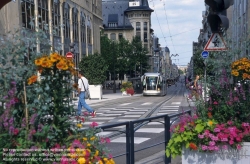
(201, 136)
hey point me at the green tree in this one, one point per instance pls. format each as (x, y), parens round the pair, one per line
(94, 68)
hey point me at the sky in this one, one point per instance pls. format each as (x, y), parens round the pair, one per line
(177, 24)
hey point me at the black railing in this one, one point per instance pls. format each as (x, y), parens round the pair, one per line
(132, 126)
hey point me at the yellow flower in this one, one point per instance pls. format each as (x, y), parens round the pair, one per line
(85, 138)
(60, 65)
(111, 161)
(96, 153)
(105, 159)
(100, 162)
(92, 138)
(79, 125)
(88, 144)
(54, 57)
(210, 123)
(81, 160)
(38, 62)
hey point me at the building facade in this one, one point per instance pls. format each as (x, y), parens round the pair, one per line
(127, 19)
(65, 22)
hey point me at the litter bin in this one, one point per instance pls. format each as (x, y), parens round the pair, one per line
(138, 88)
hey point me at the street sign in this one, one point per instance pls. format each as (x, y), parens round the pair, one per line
(69, 55)
(205, 54)
(215, 43)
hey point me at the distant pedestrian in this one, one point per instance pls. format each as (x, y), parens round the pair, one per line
(82, 85)
(195, 88)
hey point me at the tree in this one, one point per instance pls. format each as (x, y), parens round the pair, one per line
(94, 68)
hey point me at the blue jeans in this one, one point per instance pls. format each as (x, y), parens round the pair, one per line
(82, 103)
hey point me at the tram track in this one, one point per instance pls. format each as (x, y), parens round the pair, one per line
(148, 114)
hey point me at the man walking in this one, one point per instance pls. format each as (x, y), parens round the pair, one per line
(82, 85)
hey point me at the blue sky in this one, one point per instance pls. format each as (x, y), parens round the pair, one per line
(177, 24)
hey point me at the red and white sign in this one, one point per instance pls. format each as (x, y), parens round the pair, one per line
(215, 43)
(69, 55)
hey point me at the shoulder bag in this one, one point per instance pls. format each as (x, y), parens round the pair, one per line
(87, 96)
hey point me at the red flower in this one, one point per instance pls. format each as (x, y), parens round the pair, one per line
(93, 124)
(16, 131)
(193, 146)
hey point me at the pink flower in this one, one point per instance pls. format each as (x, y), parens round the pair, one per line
(64, 160)
(210, 147)
(195, 116)
(224, 139)
(230, 122)
(107, 140)
(238, 146)
(204, 147)
(214, 138)
(216, 129)
(210, 108)
(245, 124)
(201, 136)
(211, 143)
(215, 103)
(182, 129)
(231, 142)
(93, 124)
(216, 148)
(110, 156)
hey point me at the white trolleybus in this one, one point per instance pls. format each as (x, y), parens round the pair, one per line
(154, 84)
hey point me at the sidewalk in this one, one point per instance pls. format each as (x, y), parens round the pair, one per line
(106, 96)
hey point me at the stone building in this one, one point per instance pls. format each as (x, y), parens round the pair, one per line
(127, 19)
(64, 22)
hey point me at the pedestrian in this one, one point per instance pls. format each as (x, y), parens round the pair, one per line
(82, 85)
(195, 89)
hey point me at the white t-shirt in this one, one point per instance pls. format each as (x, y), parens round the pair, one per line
(86, 83)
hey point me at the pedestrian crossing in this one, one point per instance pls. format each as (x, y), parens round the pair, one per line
(123, 112)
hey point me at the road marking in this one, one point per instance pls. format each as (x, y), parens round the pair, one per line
(150, 130)
(174, 110)
(137, 140)
(176, 103)
(103, 133)
(131, 116)
(134, 113)
(125, 104)
(102, 118)
(147, 103)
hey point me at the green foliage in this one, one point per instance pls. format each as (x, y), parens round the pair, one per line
(94, 68)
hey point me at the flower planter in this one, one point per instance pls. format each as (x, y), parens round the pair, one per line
(124, 93)
(230, 156)
(95, 91)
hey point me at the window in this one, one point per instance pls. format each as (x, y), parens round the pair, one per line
(75, 24)
(138, 26)
(145, 26)
(89, 31)
(43, 15)
(145, 37)
(146, 46)
(138, 34)
(28, 8)
(83, 28)
(113, 36)
(56, 18)
(120, 36)
(66, 22)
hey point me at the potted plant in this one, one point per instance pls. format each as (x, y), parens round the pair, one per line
(94, 68)
(127, 88)
(219, 131)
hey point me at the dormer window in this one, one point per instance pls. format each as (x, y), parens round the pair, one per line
(113, 20)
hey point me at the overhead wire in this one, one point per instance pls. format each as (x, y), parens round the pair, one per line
(159, 22)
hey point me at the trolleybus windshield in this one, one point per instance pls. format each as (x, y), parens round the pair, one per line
(152, 82)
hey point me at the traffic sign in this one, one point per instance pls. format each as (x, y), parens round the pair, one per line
(205, 54)
(69, 55)
(215, 43)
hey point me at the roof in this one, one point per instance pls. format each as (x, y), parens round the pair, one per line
(113, 12)
(152, 74)
(143, 6)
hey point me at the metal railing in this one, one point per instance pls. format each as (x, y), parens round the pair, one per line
(133, 126)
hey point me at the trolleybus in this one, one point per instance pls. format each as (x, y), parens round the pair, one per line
(154, 84)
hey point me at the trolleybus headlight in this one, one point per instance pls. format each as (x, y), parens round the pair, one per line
(158, 89)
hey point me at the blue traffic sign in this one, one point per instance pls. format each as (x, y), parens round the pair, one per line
(205, 54)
